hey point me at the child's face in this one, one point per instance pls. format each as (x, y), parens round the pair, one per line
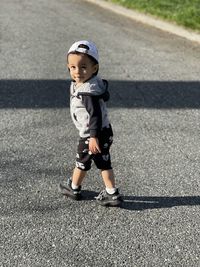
(81, 67)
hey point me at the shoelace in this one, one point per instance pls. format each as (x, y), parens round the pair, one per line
(101, 195)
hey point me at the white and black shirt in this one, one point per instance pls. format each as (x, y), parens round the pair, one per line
(87, 106)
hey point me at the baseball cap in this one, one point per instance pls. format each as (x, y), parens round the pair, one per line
(85, 47)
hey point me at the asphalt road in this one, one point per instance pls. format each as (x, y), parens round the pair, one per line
(155, 111)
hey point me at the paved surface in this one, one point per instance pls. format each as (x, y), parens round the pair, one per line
(155, 110)
(149, 20)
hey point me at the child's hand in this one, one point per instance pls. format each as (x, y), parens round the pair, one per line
(94, 145)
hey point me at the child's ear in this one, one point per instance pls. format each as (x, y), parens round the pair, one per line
(96, 67)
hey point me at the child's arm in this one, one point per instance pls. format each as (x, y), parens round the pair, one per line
(92, 106)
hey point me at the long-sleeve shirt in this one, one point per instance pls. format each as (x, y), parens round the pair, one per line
(87, 106)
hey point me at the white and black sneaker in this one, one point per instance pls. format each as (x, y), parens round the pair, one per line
(106, 199)
(65, 188)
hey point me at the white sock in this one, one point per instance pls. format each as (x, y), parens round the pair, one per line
(74, 187)
(110, 191)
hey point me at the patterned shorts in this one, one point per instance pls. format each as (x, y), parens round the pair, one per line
(102, 160)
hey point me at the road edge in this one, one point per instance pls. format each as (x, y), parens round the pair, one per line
(149, 20)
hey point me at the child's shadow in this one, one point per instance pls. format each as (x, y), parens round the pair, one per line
(89, 195)
(150, 202)
(144, 202)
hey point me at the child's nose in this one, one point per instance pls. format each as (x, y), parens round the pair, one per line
(77, 70)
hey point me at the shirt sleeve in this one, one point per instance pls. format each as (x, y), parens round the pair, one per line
(93, 107)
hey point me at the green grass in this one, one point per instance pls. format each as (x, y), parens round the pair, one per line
(183, 12)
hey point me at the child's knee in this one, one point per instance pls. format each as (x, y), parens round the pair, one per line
(84, 166)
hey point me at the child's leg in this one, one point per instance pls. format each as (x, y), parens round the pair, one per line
(83, 162)
(110, 196)
(72, 187)
(77, 177)
(108, 178)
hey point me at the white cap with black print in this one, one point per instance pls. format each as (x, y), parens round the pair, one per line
(85, 47)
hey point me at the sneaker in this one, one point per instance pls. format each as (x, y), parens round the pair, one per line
(65, 188)
(106, 199)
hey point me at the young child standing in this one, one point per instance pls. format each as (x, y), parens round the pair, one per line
(89, 114)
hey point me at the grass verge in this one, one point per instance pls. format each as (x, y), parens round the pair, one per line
(183, 12)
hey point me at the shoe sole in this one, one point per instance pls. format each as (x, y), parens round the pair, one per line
(110, 204)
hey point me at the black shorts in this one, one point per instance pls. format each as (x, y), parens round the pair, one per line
(102, 160)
